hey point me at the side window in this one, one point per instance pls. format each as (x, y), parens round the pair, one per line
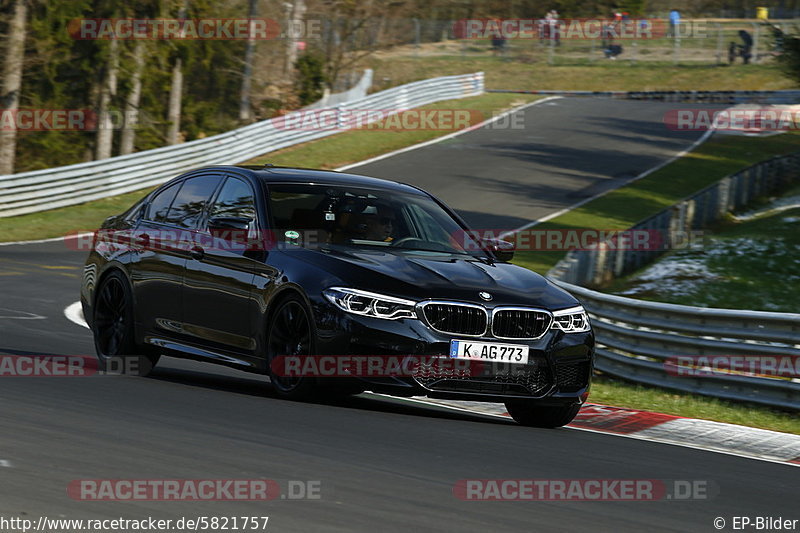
(191, 202)
(159, 206)
(236, 200)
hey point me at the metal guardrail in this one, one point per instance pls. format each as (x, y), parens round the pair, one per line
(787, 96)
(641, 341)
(594, 267)
(39, 190)
(358, 91)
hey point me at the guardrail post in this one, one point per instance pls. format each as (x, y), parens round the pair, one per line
(756, 35)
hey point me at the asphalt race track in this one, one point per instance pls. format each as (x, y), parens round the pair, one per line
(382, 465)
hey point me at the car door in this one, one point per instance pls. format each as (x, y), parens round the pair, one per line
(219, 306)
(156, 267)
(164, 242)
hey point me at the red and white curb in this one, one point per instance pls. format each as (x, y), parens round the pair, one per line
(718, 437)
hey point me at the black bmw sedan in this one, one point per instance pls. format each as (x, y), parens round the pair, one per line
(333, 283)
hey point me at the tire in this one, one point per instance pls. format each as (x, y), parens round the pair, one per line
(528, 413)
(112, 328)
(290, 332)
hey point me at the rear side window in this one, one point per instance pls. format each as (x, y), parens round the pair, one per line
(236, 200)
(190, 204)
(159, 206)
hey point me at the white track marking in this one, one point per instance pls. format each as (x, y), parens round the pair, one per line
(74, 313)
(51, 239)
(703, 138)
(4, 463)
(449, 135)
(673, 438)
(15, 315)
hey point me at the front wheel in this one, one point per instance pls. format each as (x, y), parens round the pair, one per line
(528, 413)
(112, 328)
(290, 334)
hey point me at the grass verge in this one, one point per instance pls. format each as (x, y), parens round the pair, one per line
(526, 72)
(610, 391)
(331, 152)
(622, 208)
(747, 262)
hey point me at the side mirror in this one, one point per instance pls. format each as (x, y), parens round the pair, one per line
(229, 223)
(502, 250)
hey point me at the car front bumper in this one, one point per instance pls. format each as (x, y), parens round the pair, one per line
(559, 367)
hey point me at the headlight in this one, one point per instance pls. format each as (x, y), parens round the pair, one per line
(572, 320)
(370, 304)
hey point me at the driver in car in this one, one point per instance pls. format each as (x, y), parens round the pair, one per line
(380, 225)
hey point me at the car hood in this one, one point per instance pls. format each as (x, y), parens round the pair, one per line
(437, 276)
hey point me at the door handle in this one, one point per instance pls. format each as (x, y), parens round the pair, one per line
(197, 253)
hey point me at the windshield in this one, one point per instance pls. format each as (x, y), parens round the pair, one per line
(324, 215)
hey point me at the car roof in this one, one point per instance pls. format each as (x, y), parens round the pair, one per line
(275, 174)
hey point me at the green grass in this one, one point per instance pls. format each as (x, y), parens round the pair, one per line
(65, 220)
(529, 71)
(622, 208)
(610, 391)
(751, 264)
(331, 152)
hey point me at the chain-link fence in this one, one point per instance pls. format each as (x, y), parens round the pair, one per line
(578, 42)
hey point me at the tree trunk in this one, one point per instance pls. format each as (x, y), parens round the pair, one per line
(12, 83)
(174, 111)
(175, 93)
(132, 101)
(295, 13)
(247, 77)
(105, 131)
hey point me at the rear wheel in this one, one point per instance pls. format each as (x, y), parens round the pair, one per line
(290, 334)
(112, 328)
(528, 413)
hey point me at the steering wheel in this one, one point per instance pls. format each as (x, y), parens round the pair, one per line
(404, 240)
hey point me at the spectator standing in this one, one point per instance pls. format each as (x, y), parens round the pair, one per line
(674, 22)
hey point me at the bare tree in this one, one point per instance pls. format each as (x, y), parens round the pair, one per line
(295, 11)
(175, 93)
(132, 101)
(12, 82)
(108, 89)
(247, 76)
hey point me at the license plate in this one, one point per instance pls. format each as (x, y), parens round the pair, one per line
(489, 351)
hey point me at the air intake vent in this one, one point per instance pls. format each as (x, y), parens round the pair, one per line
(520, 323)
(457, 319)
